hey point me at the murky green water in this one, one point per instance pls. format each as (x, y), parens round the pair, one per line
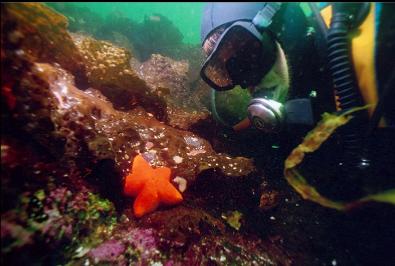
(185, 16)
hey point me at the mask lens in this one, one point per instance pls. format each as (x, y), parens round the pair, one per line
(237, 60)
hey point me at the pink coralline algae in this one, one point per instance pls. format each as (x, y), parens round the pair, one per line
(143, 240)
(107, 252)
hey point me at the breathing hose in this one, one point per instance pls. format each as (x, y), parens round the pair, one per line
(346, 88)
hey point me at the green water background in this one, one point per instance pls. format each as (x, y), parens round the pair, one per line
(185, 16)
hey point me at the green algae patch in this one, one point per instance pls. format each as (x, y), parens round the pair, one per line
(233, 219)
(313, 140)
(51, 217)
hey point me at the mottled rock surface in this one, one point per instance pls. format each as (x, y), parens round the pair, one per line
(108, 69)
(43, 36)
(67, 147)
(169, 78)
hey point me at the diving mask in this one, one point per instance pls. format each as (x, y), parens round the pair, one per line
(245, 52)
(242, 56)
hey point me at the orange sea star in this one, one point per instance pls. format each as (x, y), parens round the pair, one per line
(150, 186)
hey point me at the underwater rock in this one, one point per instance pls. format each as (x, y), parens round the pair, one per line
(122, 41)
(118, 29)
(108, 69)
(24, 167)
(80, 19)
(203, 239)
(42, 34)
(184, 236)
(234, 250)
(163, 72)
(65, 151)
(107, 252)
(159, 85)
(82, 125)
(169, 78)
(128, 245)
(55, 218)
(99, 64)
(156, 34)
(179, 226)
(105, 66)
(202, 91)
(193, 54)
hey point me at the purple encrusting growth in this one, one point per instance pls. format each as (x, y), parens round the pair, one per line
(142, 239)
(108, 251)
(138, 242)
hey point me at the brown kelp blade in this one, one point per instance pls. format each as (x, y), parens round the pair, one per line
(313, 140)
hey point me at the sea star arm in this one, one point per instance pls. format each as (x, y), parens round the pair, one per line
(147, 201)
(168, 194)
(140, 173)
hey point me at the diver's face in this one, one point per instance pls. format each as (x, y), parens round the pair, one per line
(242, 56)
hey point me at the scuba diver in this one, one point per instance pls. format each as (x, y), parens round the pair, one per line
(276, 67)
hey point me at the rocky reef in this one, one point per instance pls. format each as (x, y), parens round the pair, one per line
(68, 145)
(155, 34)
(76, 110)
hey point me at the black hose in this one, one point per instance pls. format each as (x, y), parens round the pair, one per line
(318, 18)
(382, 103)
(346, 88)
